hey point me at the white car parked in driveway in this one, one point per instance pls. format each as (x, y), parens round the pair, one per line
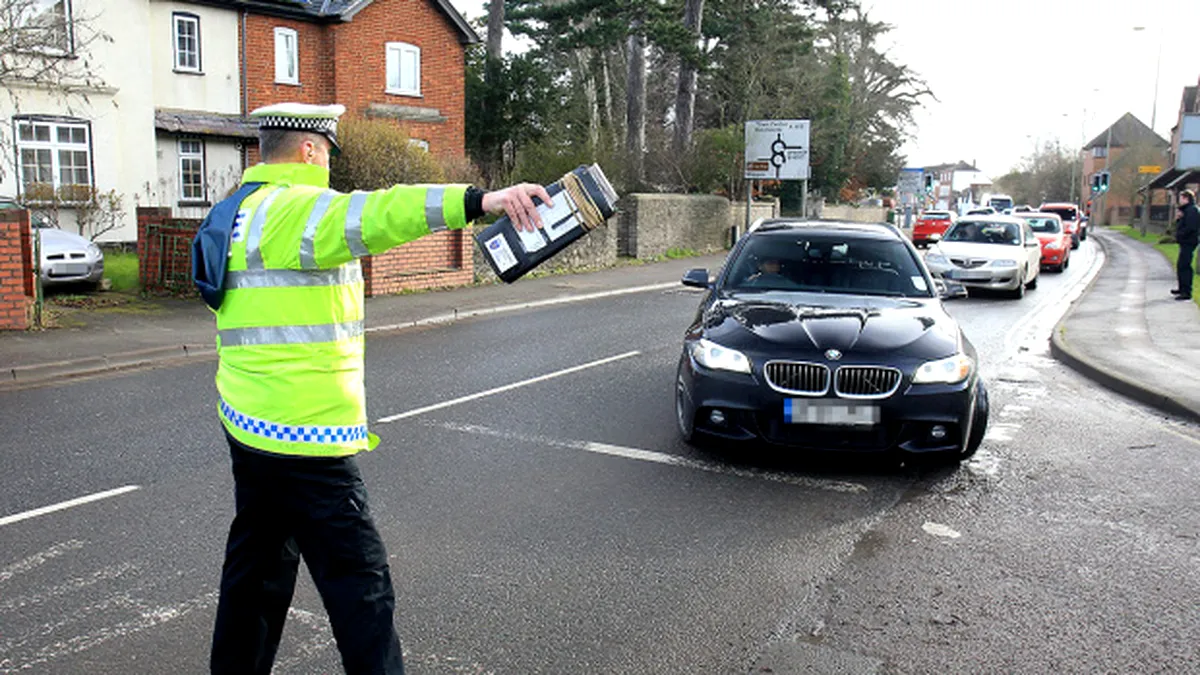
(993, 252)
(67, 258)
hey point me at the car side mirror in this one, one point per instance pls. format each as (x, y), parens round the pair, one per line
(696, 278)
(948, 289)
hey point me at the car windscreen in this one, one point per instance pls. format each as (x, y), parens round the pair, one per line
(1064, 213)
(826, 264)
(935, 215)
(983, 232)
(1044, 225)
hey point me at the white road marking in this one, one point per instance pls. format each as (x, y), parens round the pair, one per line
(17, 517)
(38, 559)
(507, 387)
(69, 586)
(660, 458)
(939, 530)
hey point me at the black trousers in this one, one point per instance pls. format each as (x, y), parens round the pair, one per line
(316, 508)
(1183, 266)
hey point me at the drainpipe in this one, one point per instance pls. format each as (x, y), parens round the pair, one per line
(245, 93)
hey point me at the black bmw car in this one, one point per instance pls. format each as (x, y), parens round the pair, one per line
(831, 336)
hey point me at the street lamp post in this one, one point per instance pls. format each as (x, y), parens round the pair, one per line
(1153, 119)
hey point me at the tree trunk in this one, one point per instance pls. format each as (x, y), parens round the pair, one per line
(589, 93)
(635, 108)
(495, 29)
(685, 93)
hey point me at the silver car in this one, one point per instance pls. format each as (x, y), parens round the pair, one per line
(993, 252)
(67, 258)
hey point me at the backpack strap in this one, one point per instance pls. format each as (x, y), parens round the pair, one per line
(210, 247)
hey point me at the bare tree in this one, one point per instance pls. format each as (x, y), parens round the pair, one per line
(685, 93)
(635, 106)
(44, 46)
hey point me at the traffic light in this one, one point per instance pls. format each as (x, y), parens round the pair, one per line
(1104, 181)
(1095, 182)
(928, 184)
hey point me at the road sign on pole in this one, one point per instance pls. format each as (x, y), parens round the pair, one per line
(1149, 168)
(777, 149)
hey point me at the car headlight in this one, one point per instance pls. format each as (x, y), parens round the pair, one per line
(1054, 245)
(712, 355)
(936, 259)
(949, 370)
(94, 250)
(1004, 263)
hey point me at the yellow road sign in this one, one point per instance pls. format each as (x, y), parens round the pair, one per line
(1149, 168)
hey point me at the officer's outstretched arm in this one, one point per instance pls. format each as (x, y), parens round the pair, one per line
(345, 226)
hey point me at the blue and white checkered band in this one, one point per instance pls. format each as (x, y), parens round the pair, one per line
(295, 434)
(317, 125)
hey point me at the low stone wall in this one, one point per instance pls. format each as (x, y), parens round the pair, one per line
(648, 226)
(854, 214)
(597, 249)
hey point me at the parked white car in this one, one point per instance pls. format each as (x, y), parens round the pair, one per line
(67, 258)
(993, 252)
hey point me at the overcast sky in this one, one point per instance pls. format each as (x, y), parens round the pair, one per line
(1009, 74)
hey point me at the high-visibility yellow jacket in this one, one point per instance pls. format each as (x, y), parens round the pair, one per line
(290, 327)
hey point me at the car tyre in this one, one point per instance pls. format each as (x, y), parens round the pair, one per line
(685, 420)
(1018, 292)
(1033, 284)
(979, 427)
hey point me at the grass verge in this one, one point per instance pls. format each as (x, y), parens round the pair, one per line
(122, 270)
(1169, 250)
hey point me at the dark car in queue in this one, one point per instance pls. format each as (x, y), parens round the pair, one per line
(829, 336)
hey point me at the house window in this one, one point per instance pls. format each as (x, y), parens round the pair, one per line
(419, 143)
(187, 42)
(287, 57)
(191, 170)
(42, 26)
(53, 155)
(1099, 151)
(403, 69)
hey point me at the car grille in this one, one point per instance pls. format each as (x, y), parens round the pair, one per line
(866, 381)
(969, 263)
(792, 377)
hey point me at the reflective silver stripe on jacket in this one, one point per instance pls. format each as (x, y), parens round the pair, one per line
(290, 335)
(353, 231)
(308, 258)
(254, 259)
(344, 274)
(434, 197)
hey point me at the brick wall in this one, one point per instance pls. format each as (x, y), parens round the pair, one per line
(439, 260)
(165, 251)
(16, 270)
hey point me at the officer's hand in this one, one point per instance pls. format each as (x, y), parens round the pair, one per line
(517, 202)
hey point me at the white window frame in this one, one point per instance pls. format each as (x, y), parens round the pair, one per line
(177, 19)
(23, 33)
(192, 157)
(54, 147)
(1099, 151)
(393, 60)
(419, 143)
(281, 35)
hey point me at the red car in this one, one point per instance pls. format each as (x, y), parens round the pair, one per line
(1052, 234)
(930, 227)
(1073, 222)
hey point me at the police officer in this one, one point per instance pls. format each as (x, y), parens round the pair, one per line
(279, 264)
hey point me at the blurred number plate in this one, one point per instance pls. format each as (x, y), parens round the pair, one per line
(72, 269)
(800, 411)
(969, 275)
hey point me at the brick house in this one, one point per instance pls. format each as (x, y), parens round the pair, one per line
(401, 60)
(1120, 149)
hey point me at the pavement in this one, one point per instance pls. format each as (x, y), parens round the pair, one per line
(1126, 331)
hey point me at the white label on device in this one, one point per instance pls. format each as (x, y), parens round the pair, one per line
(502, 255)
(560, 219)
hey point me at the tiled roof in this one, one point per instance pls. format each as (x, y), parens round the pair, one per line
(204, 123)
(343, 10)
(1128, 131)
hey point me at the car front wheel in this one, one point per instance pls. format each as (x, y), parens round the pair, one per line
(685, 416)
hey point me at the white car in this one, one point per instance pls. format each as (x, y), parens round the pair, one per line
(993, 252)
(67, 258)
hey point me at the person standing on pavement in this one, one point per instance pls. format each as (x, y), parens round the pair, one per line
(1187, 233)
(284, 281)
